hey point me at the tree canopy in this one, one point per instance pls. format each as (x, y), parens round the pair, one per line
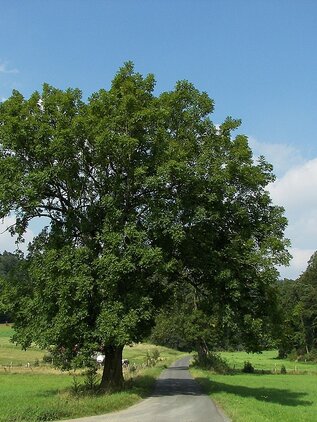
(144, 194)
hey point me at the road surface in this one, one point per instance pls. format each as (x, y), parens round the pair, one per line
(176, 398)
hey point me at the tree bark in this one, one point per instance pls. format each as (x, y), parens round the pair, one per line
(202, 350)
(112, 376)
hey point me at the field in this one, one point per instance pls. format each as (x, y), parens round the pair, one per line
(41, 393)
(264, 397)
(32, 391)
(12, 355)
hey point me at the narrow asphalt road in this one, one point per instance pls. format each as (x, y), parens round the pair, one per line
(176, 398)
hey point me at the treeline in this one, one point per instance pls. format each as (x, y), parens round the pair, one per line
(298, 306)
(188, 323)
(10, 266)
(292, 329)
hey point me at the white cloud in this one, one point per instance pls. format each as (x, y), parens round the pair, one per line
(296, 192)
(282, 156)
(295, 189)
(298, 263)
(7, 242)
(4, 68)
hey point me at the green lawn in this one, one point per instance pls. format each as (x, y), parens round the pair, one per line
(46, 397)
(264, 397)
(267, 361)
(41, 393)
(31, 393)
(10, 354)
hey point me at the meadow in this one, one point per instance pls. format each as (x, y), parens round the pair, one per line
(266, 395)
(32, 391)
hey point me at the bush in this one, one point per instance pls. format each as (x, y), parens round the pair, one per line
(76, 386)
(248, 368)
(293, 355)
(151, 358)
(213, 362)
(91, 382)
(283, 369)
(303, 357)
(48, 358)
(156, 354)
(312, 356)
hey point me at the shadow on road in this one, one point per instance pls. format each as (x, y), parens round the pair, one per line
(179, 368)
(176, 386)
(272, 395)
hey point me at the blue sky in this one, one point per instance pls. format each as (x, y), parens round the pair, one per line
(256, 58)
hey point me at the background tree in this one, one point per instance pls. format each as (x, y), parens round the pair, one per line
(298, 300)
(182, 324)
(143, 194)
(186, 323)
(9, 268)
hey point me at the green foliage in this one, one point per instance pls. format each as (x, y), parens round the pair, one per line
(298, 301)
(151, 357)
(10, 266)
(8, 262)
(182, 324)
(248, 368)
(213, 362)
(188, 323)
(47, 358)
(283, 369)
(92, 380)
(143, 194)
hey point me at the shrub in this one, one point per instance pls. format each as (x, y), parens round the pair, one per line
(156, 354)
(91, 382)
(248, 368)
(293, 355)
(48, 358)
(299, 356)
(76, 386)
(213, 362)
(151, 358)
(283, 369)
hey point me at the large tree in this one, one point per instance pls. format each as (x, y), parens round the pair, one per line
(143, 193)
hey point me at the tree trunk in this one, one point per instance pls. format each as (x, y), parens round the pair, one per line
(202, 350)
(112, 376)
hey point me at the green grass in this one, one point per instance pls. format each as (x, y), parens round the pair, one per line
(6, 331)
(263, 397)
(10, 354)
(267, 361)
(40, 397)
(31, 393)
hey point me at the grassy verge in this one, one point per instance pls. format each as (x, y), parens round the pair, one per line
(31, 393)
(263, 397)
